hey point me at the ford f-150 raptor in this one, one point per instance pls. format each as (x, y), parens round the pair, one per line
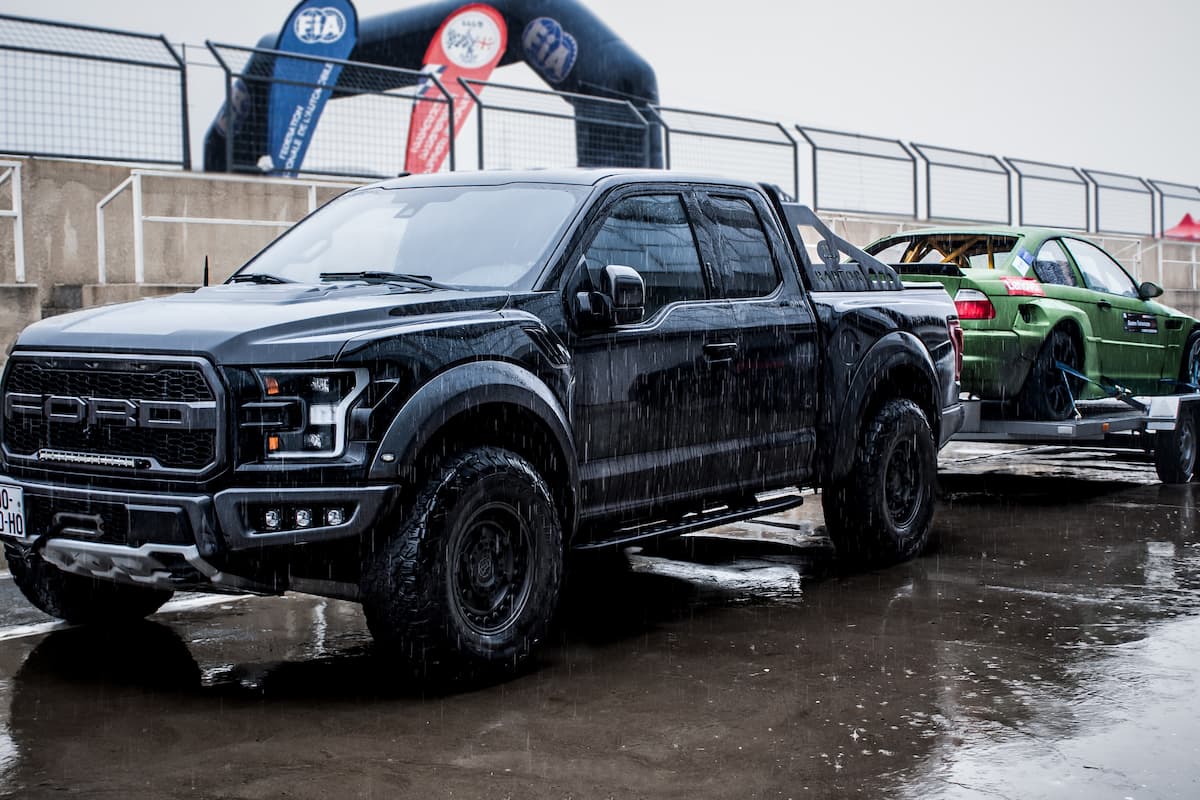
(427, 393)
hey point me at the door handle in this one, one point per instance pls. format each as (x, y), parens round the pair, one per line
(1104, 305)
(715, 352)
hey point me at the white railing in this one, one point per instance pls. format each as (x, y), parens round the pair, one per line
(10, 172)
(134, 184)
(1190, 262)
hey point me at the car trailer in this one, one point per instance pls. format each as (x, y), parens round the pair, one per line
(1166, 426)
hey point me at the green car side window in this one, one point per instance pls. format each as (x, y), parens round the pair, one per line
(1100, 272)
(1052, 266)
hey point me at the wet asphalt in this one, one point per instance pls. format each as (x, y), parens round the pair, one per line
(1046, 647)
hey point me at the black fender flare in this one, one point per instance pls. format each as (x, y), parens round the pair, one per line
(463, 388)
(895, 350)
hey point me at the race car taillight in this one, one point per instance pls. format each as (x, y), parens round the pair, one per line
(973, 304)
(1023, 287)
(956, 339)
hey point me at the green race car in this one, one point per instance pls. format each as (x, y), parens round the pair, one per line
(1029, 298)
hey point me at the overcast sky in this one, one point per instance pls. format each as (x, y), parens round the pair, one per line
(1103, 84)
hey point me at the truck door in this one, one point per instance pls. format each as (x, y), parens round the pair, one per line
(1131, 332)
(656, 431)
(771, 393)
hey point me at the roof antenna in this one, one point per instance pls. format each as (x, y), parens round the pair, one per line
(206, 269)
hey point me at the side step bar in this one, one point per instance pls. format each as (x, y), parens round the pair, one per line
(695, 522)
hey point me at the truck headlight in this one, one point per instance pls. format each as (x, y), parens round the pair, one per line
(303, 412)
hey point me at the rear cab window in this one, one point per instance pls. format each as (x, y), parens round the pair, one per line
(746, 262)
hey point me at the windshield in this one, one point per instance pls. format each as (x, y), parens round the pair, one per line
(487, 237)
(964, 250)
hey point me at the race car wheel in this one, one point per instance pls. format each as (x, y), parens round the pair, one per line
(1048, 392)
(1189, 369)
(883, 510)
(1175, 451)
(78, 599)
(470, 580)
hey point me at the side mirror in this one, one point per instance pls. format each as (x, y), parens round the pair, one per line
(626, 293)
(1149, 290)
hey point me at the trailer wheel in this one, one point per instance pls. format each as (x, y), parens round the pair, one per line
(1047, 393)
(470, 580)
(883, 510)
(1175, 451)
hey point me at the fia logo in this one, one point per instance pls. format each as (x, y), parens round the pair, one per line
(319, 25)
(549, 49)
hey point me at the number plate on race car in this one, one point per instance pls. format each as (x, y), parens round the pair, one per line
(12, 510)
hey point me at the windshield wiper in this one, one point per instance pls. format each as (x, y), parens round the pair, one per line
(386, 277)
(257, 277)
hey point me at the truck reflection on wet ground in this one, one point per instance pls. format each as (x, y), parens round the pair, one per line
(1044, 648)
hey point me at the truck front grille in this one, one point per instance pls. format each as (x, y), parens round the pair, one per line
(142, 415)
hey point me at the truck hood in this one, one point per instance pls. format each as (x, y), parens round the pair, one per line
(253, 324)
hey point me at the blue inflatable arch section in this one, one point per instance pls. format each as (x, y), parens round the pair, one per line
(604, 66)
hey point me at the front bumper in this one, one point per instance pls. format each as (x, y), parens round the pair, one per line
(171, 540)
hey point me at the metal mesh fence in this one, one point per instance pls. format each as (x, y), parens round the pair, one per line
(861, 174)
(1051, 195)
(740, 147)
(519, 127)
(1124, 203)
(1174, 201)
(81, 92)
(961, 185)
(362, 131)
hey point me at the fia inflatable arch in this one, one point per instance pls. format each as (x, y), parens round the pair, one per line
(561, 40)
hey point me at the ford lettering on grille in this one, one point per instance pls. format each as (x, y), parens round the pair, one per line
(110, 411)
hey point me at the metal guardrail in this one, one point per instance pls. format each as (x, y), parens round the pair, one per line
(77, 91)
(969, 186)
(518, 127)
(134, 183)
(724, 144)
(1184, 199)
(10, 174)
(1123, 203)
(1051, 195)
(864, 174)
(363, 134)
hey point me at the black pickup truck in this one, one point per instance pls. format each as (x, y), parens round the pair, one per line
(429, 392)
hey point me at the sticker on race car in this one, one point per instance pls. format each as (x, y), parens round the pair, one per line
(1024, 261)
(1140, 323)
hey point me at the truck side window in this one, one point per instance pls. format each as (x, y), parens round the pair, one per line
(747, 266)
(651, 233)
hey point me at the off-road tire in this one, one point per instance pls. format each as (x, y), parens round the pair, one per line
(1175, 451)
(78, 599)
(1047, 391)
(882, 511)
(483, 534)
(1189, 366)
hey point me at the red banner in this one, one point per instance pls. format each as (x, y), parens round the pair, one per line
(468, 45)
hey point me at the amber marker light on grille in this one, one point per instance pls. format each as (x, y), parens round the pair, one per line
(272, 385)
(272, 443)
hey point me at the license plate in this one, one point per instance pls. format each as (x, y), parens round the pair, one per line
(12, 511)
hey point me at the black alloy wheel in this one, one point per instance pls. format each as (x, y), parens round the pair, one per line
(1049, 393)
(490, 581)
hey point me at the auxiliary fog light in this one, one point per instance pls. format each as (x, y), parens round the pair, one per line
(272, 519)
(303, 518)
(335, 516)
